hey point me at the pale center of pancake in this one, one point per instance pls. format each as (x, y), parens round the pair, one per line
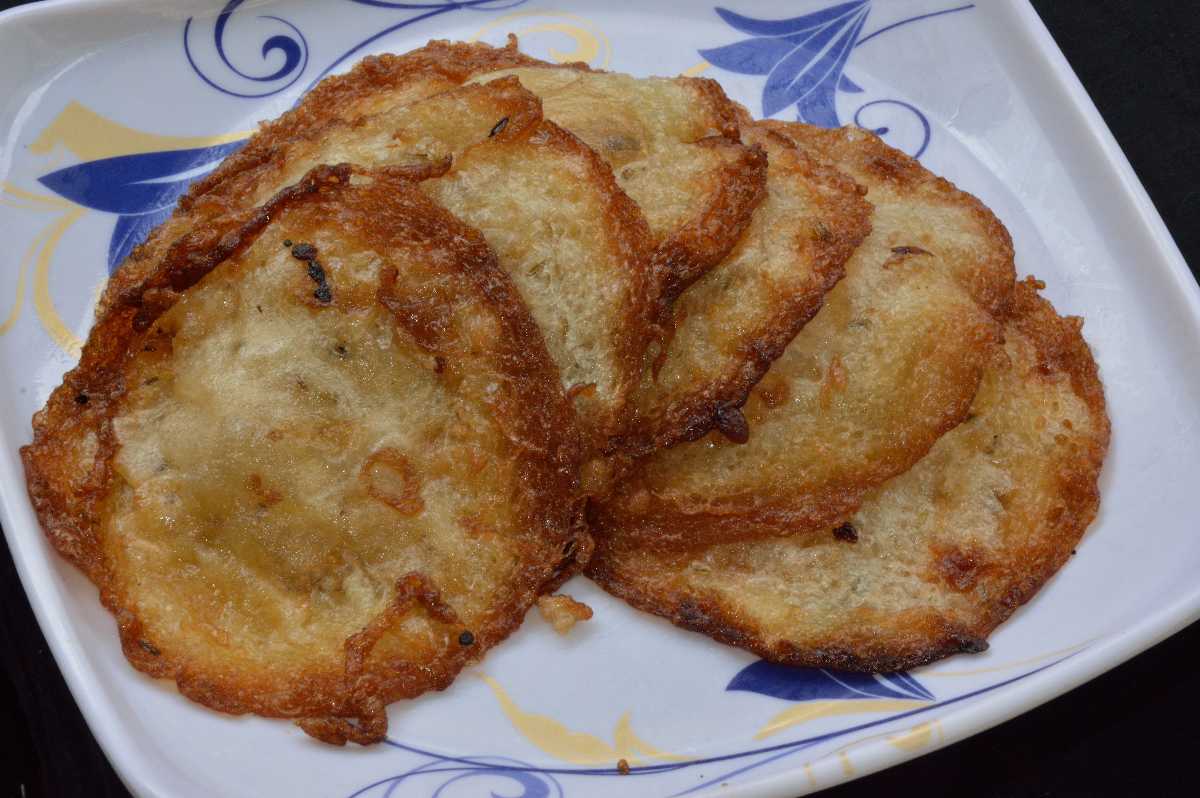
(284, 458)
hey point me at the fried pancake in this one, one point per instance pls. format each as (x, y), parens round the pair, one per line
(732, 323)
(890, 363)
(935, 559)
(674, 145)
(316, 464)
(577, 249)
(377, 85)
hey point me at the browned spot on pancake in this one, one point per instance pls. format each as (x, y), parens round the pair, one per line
(957, 568)
(265, 495)
(846, 533)
(835, 381)
(391, 478)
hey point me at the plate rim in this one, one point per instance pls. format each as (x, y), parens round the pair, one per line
(142, 777)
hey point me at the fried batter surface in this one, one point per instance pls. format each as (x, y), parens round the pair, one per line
(578, 250)
(431, 124)
(576, 246)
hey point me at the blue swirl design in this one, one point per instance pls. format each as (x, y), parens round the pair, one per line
(883, 130)
(294, 47)
(542, 782)
(804, 60)
(816, 684)
(141, 189)
(533, 783)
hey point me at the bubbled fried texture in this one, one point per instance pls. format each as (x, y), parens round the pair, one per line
(578, 250)
(733, 322)
(889, 364)
(300, 471)
(418, 137)
(937, 557)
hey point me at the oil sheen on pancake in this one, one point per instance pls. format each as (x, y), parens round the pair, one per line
(316, 464)
(889, 364)
(935, 559)
(673, 143)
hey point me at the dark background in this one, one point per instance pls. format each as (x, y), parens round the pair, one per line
(1133, 731)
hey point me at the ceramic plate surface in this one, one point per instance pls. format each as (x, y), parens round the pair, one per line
(108, 109)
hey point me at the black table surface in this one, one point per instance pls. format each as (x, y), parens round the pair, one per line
(1132, 731)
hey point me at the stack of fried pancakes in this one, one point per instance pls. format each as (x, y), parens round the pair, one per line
(463, 324)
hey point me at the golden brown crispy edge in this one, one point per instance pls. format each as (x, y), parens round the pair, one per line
(699, 246)
(1062, 349)
(438, 66)
(843, 152)
(867, 154)
(846, 219)
(68, 479)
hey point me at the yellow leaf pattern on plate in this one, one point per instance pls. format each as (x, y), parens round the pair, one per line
(579, 748)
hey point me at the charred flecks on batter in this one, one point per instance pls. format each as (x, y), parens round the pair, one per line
(846, 533)
(498, 128)
(466, 639)
(316, 272)
(732, 424)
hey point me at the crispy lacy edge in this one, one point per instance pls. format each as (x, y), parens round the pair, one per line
(705, 240)
(840, 152)
(628, 232)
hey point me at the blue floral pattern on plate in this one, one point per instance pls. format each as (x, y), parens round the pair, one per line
(804, 60)
(544, 782)
(811, 684)
(141, 189)
(802, 57)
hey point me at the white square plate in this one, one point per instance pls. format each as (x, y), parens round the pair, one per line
(108, 108)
